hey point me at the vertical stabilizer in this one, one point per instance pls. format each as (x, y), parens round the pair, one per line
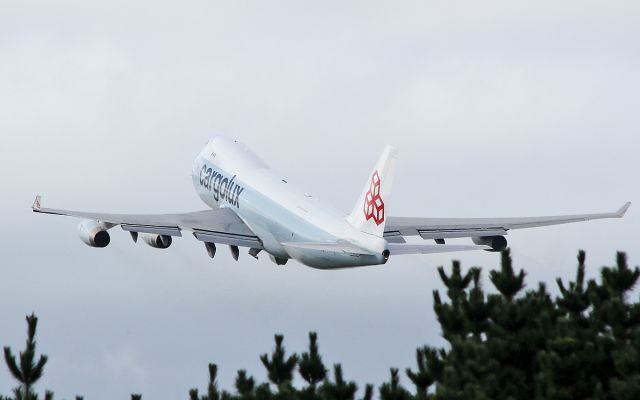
(368, 214)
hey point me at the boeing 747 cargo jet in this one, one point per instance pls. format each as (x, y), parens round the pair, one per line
(252, 206)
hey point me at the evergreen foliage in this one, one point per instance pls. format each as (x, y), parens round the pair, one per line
(339, 389)
(311, 367)
(279, 367)
(392, 390)
(212, 387)
(24, 368)
(509, 344)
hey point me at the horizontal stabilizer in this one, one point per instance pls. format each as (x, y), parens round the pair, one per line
(398, 249)
(336, 247)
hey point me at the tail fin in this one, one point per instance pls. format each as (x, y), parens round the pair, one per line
(368, 214)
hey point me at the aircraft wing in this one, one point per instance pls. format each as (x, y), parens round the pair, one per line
(397, 228)
(216, 226)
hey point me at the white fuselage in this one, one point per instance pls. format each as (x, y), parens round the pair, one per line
(227, 174)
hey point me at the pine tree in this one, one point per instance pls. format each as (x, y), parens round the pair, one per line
(511, 344)
(451, 315)
(620, 324)
(568, 363)
(507, 283)
(245, 385)
(475, 307)
(393, 390)
(518, 330)
(456, 283)
(368, 392)
(468, 371)
(212, 388)
(430, 369)
(280, 370)
(464, 371)
(310, 366)
(311, 369)
(263, 392)
(575, 299)
(279, 367)
(339, 389)
(27, 371)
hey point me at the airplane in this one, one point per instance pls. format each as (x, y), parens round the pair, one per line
(252, 206)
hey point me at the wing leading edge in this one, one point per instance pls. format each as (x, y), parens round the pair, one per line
(442, 228)
(216, 226)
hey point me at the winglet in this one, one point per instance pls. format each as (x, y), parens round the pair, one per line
(36, 203)
(623, 209)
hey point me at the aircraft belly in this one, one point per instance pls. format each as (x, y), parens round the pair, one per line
(275, 224)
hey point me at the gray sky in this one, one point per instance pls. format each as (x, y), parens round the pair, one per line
(499, 108)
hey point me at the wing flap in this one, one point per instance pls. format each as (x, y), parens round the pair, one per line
(394, 237)
(160, 230)
(455, 232)
(227, 238)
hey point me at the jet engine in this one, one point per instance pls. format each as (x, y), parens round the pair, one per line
(497, 243)
(94, 233)
(155, 240)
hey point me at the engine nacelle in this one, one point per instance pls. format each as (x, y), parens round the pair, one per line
(94, 233)
(497, 243)
(155, 240)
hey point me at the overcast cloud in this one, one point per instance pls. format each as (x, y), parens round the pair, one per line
(499, 108)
